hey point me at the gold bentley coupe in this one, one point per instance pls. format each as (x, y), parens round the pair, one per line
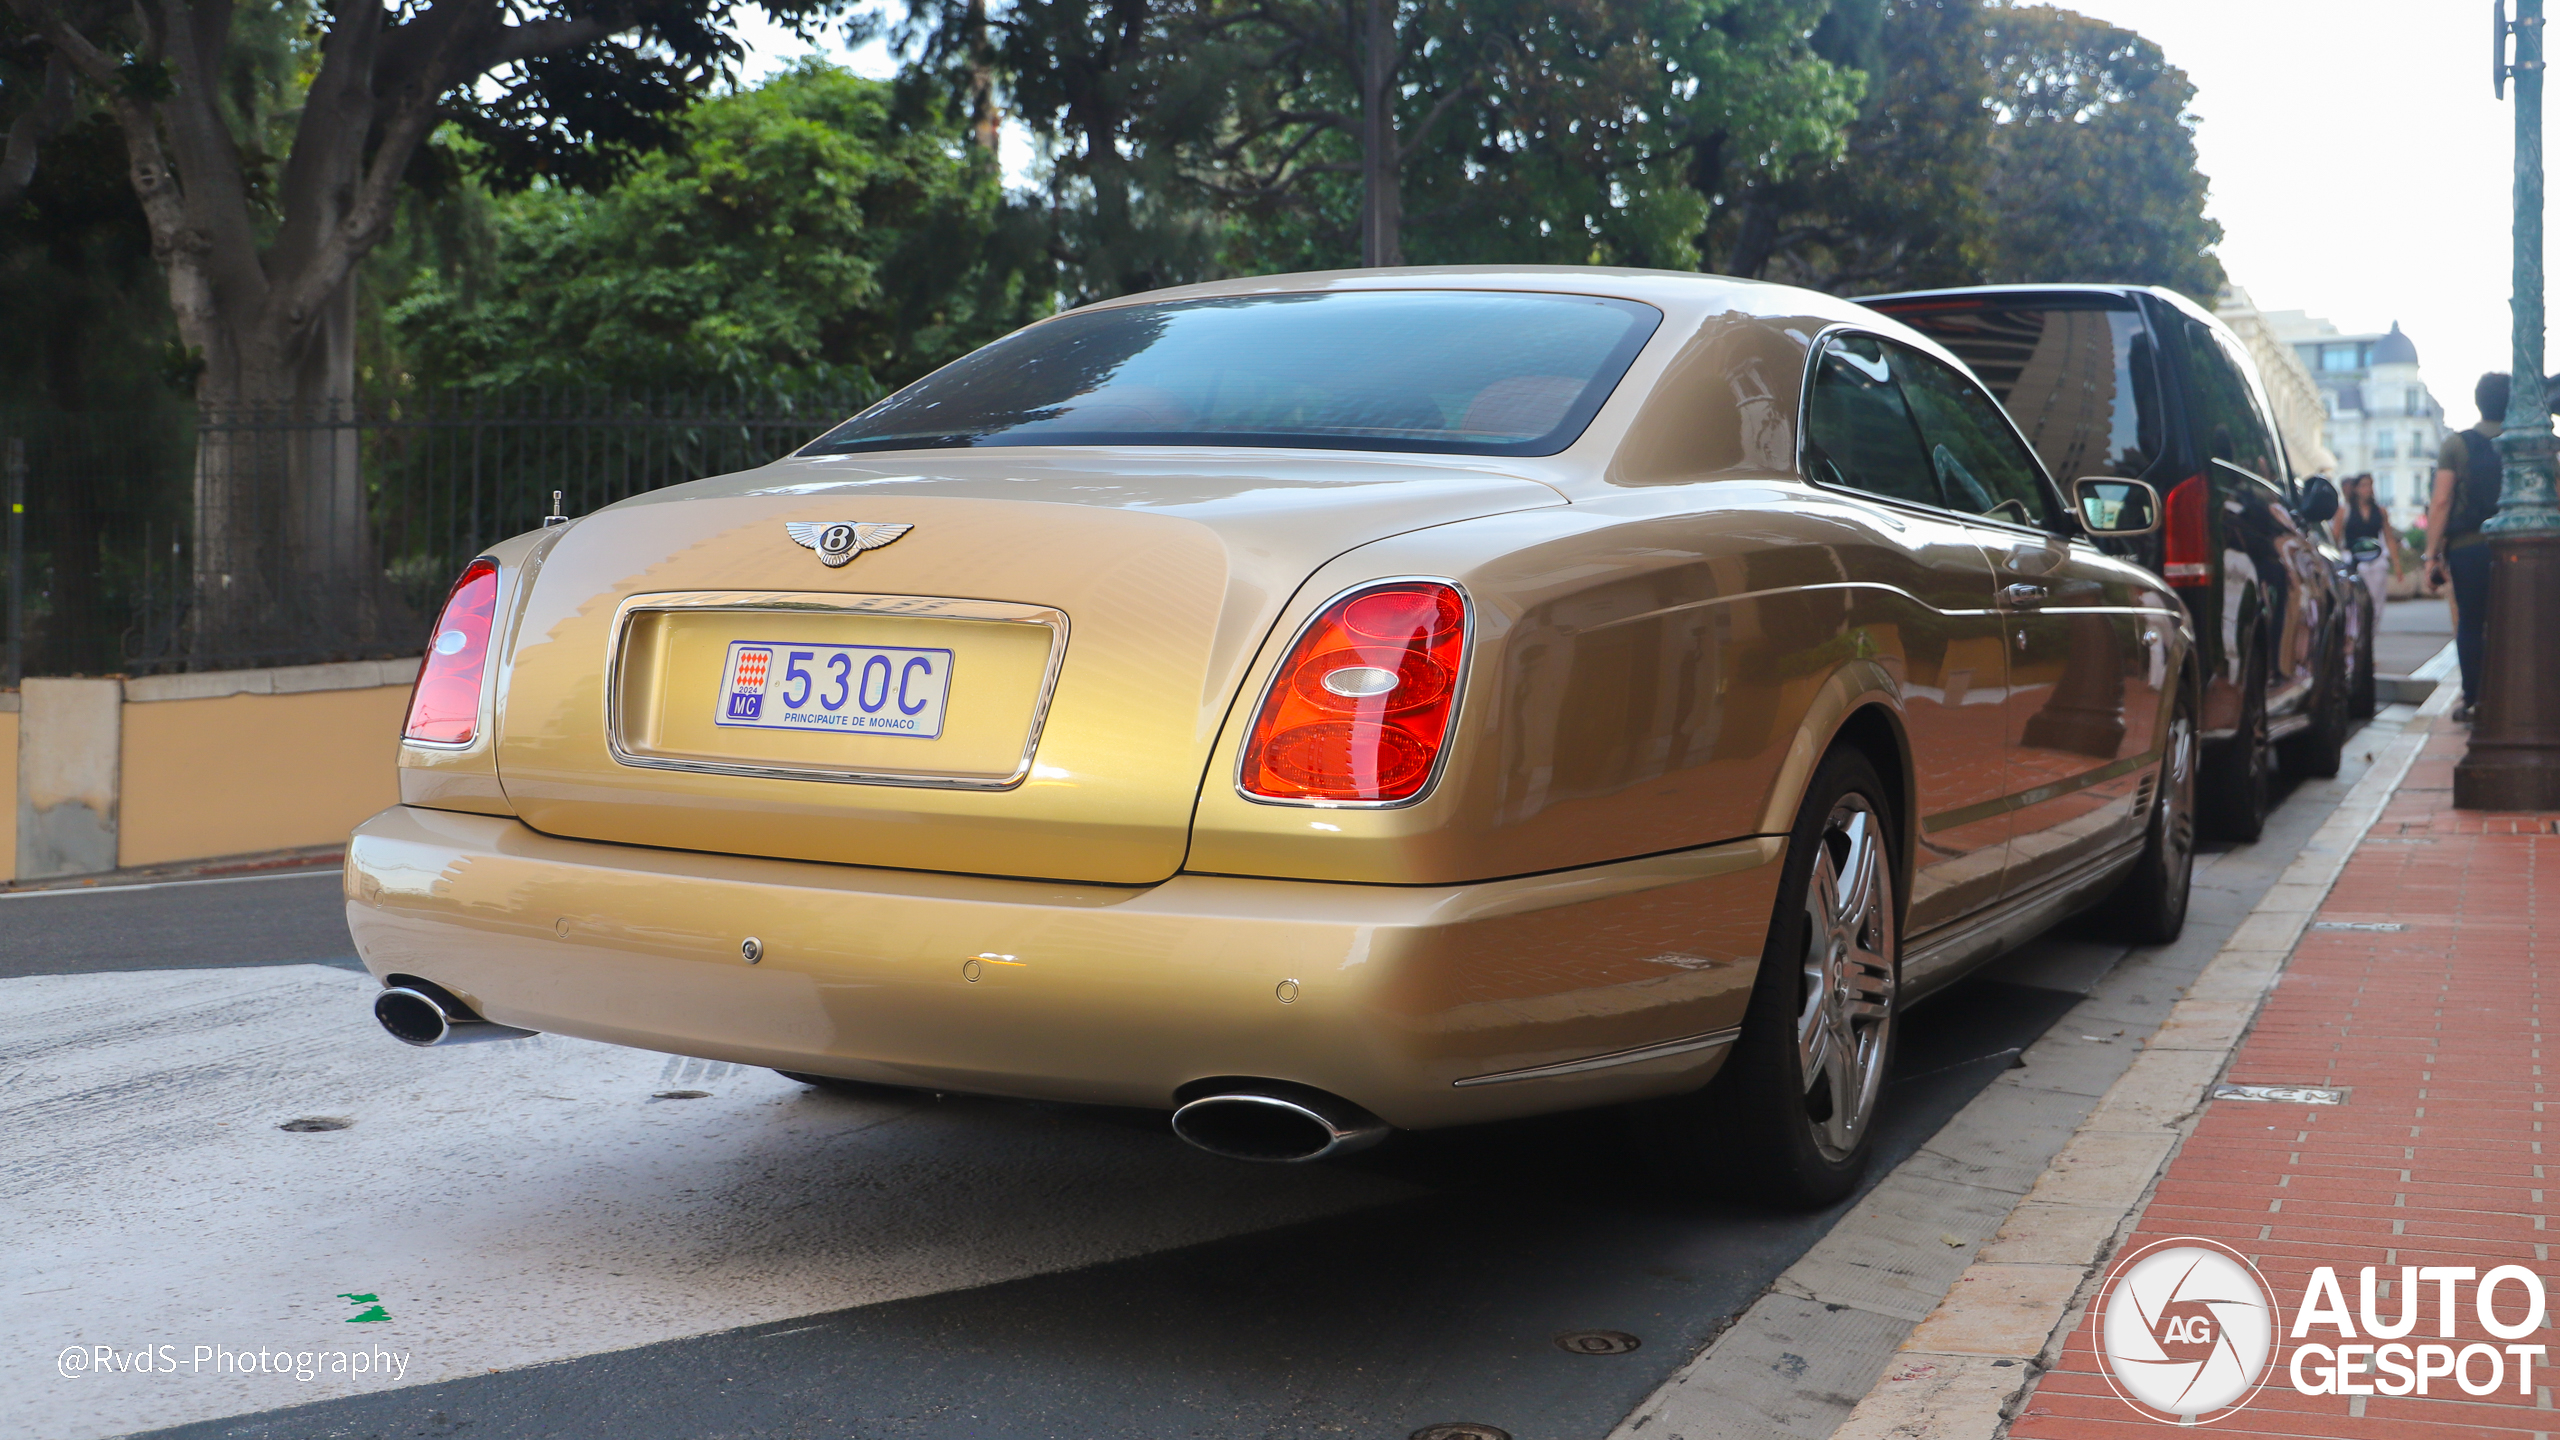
(1312, 706)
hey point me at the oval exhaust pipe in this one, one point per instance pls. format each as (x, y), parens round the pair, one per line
(1285, 1125)
(417, 1016)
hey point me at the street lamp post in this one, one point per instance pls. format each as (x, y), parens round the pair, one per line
(2514, 760)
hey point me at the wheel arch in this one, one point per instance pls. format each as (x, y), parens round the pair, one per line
(1857, 707)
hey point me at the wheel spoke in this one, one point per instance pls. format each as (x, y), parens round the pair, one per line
(1814, 1041)
(1841, 1070)
(1857, 886)
(1822, 893)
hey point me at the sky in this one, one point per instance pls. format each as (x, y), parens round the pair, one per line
(2360, 167)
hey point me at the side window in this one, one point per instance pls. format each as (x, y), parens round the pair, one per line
(1982, 466)
(1859, 429)
(2228, 423)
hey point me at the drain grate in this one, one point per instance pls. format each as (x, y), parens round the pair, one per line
(315, 1124)
(1461, 1430)
(2282, 1094)
(681, 1095)
(1596, 1342)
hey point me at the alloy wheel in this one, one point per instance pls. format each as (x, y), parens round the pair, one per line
(1846, 1015)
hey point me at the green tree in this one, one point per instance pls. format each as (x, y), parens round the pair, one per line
(1996, 142)
(820, 231)
(2094, 159)
(1190, 137)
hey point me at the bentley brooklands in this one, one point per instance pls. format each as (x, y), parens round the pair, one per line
(1313, 706)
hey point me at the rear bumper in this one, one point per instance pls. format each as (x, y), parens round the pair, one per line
(1092, 993)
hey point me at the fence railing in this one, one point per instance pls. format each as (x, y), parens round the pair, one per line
(179, 540)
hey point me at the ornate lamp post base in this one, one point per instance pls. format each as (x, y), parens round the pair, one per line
(2514, 762)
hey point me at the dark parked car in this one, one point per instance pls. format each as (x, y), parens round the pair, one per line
(2135, 382)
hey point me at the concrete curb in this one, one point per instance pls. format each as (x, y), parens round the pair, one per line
(1969, 1360)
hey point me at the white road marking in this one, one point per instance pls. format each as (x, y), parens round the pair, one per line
(147, 1197)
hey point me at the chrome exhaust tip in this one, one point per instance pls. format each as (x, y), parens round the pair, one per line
(1287, 1125)
(417, 1014)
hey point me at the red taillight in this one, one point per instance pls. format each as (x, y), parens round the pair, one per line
(2189, 554)
(1362, 704)
(445, 708)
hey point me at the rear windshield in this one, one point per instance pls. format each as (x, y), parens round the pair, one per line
(1467, 372)
(2081, 381)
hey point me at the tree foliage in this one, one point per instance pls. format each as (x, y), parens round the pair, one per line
(1195, 137)
(822, 230)
(1997, 142)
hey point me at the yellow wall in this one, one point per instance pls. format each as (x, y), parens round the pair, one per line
(8, 795)
(245, 773)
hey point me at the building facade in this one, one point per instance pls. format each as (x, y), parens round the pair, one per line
(2382, 419)
(2301, 413)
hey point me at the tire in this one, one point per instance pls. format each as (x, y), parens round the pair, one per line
(1790, 1119)
(2361, 698)
(2316, 753)
(2236, 789)
(2150, 907)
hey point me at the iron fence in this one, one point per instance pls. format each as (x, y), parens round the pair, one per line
(208, 541)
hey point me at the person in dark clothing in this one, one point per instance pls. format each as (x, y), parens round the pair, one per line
(2365, 519)
(2468, 477)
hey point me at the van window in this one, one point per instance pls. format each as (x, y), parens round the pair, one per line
(2081, 380)
(1859, 430)
(2228, 423)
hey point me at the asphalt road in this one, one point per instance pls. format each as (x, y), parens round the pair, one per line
(793, 1265)
(185, 924)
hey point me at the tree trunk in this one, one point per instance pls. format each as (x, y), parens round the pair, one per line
(1381, 177)
(1756, 238)
(985, 123)
(285, 559)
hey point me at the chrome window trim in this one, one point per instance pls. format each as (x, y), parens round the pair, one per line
(1457, 705)
(798, 602)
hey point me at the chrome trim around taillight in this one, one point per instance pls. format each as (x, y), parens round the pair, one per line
(1457, 695)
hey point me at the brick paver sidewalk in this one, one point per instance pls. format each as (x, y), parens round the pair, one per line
(2436, 1158)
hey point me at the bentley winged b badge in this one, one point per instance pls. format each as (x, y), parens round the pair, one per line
(839, 542)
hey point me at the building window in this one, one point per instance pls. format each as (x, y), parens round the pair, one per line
(2337, 357)
(2416, 401)
(2386, 444)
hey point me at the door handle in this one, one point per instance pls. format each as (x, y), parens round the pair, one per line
(2023, 595)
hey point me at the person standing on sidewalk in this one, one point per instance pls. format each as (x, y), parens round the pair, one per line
(2365, 519)
(2468, 477)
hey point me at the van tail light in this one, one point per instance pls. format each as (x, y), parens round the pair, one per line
(1361, 706)
(2188, 544)
(445, 708)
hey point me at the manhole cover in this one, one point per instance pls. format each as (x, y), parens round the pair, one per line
(682, 1095)
(1597, 1342)
(2282, 1094)
(1462, 1430)
(314, 1124)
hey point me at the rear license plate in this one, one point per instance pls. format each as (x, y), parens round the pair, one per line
(852, 689)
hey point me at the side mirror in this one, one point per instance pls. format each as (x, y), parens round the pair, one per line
(2112, 509)
(2319, 501)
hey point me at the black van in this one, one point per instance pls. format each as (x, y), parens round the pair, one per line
(2137, 382)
